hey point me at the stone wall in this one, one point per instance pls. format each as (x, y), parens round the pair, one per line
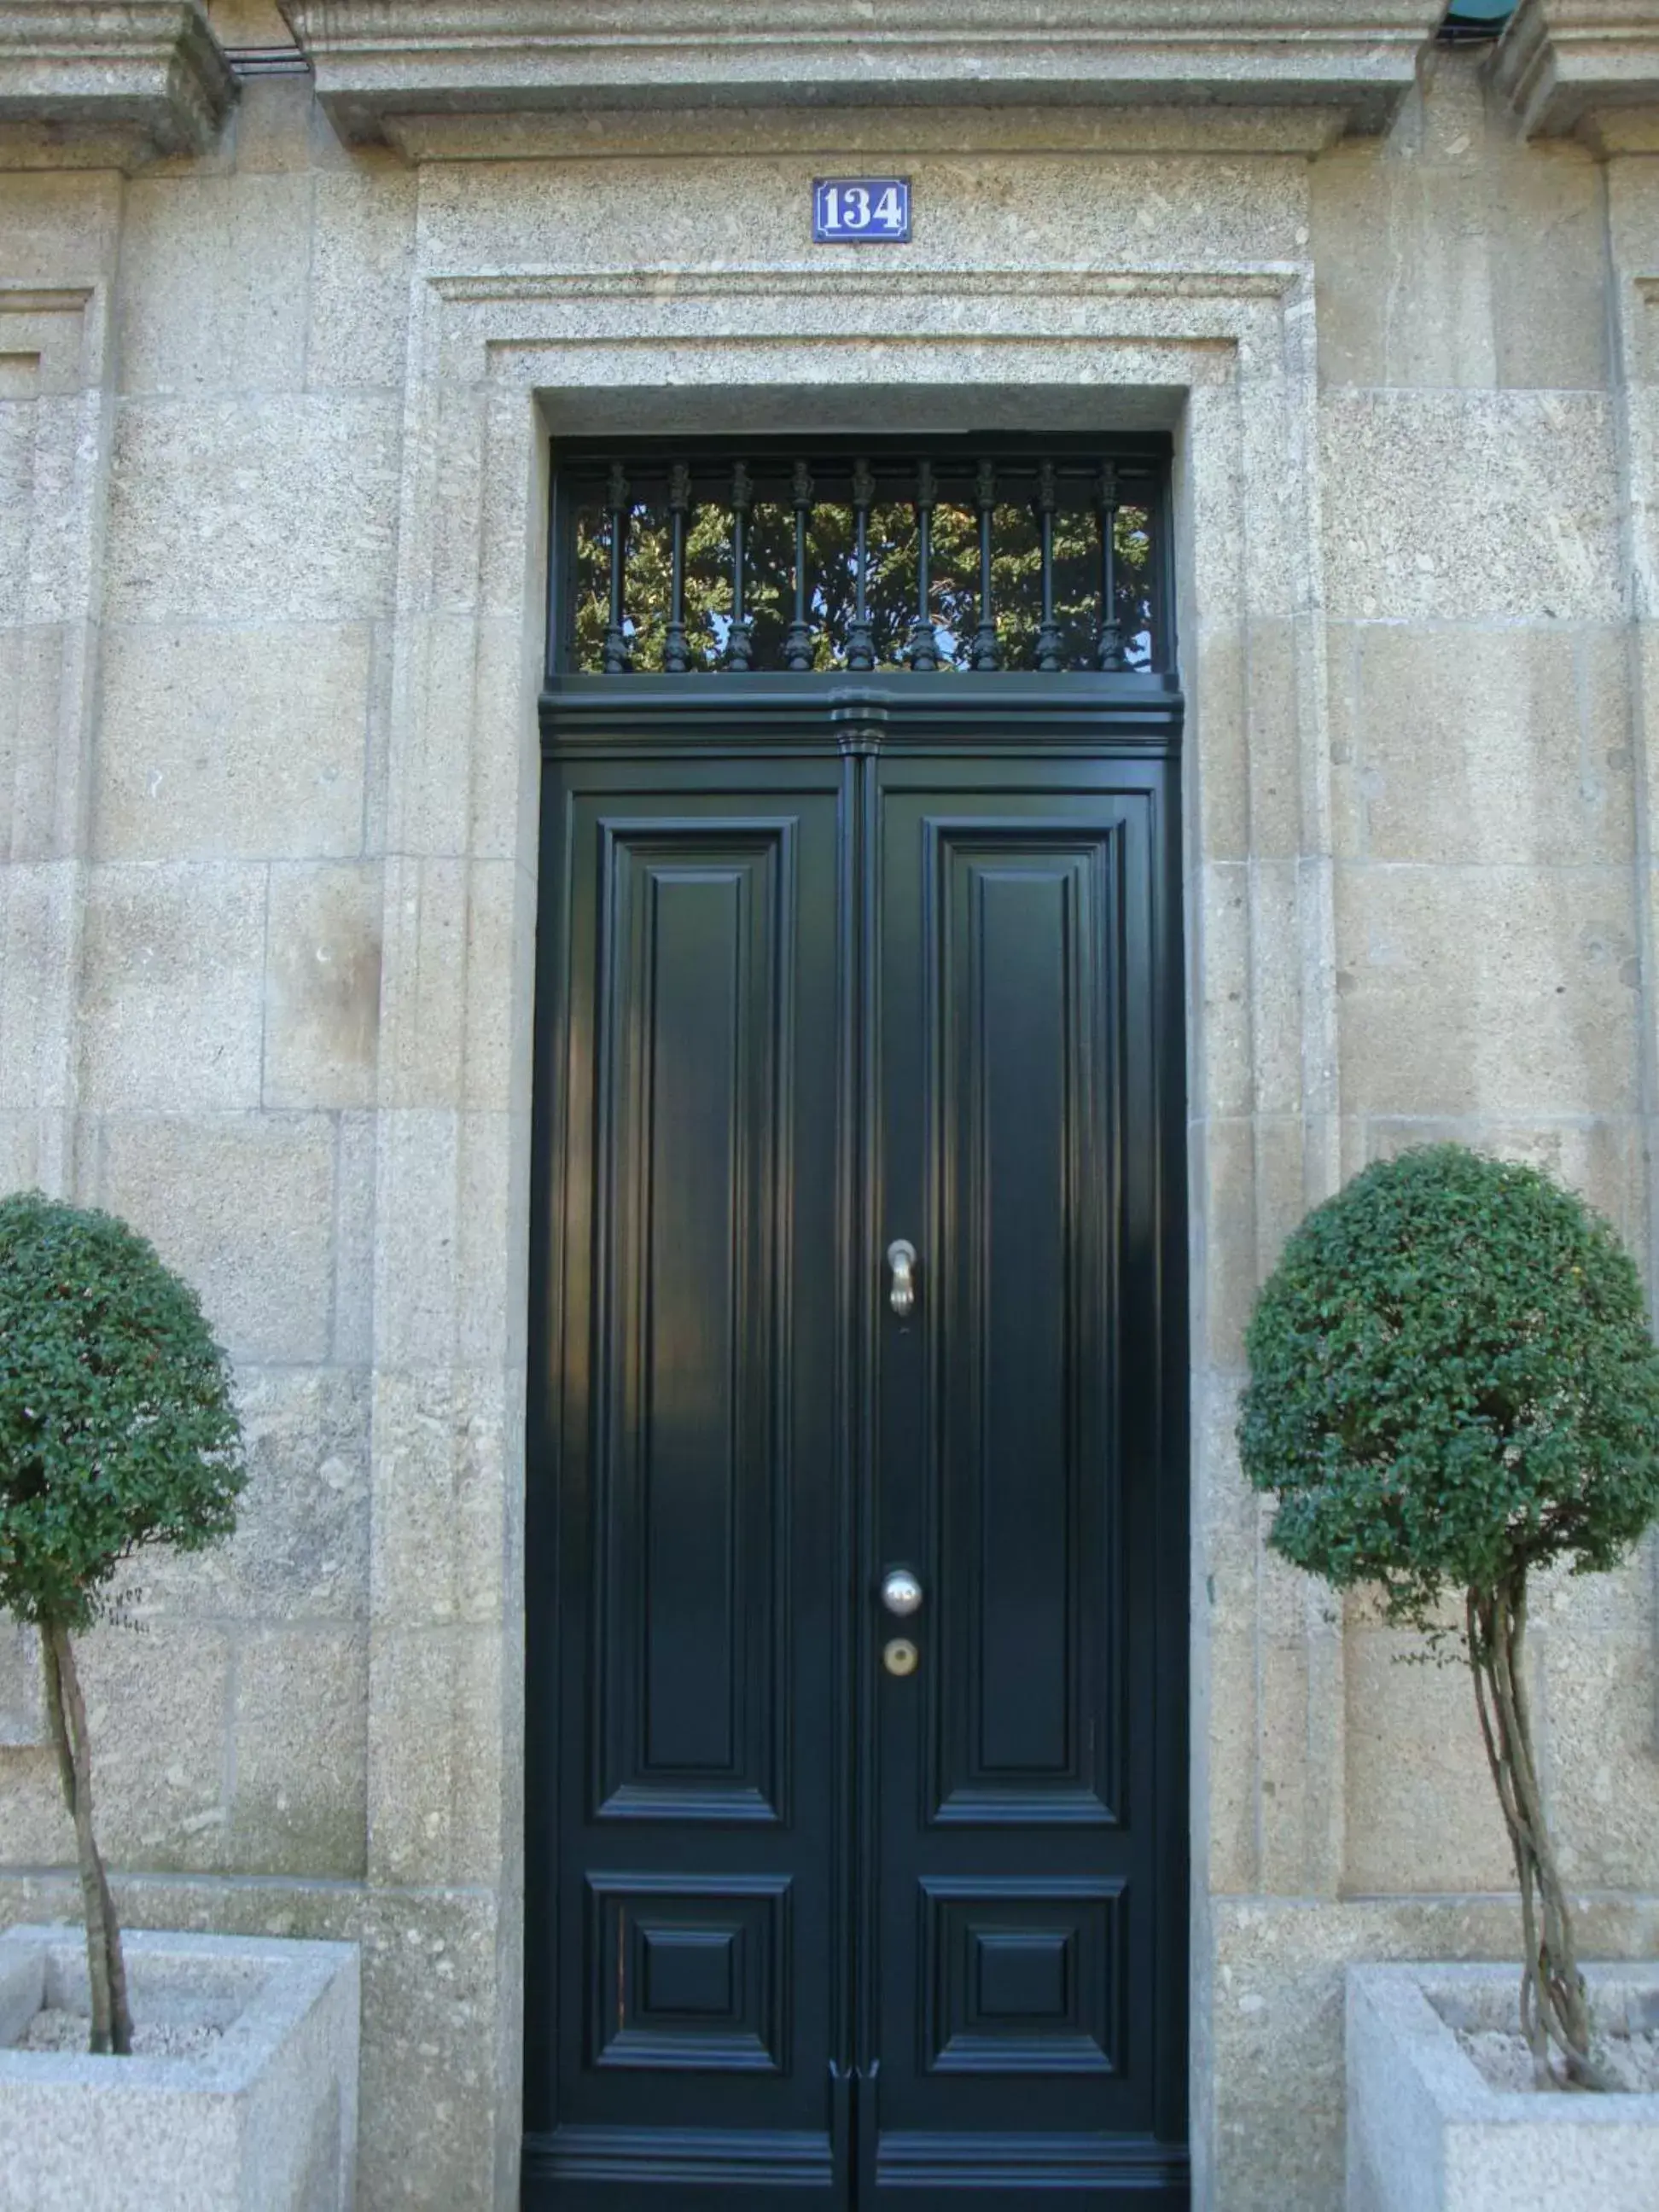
(273, 434)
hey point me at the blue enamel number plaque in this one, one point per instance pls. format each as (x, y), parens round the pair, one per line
(861, 212)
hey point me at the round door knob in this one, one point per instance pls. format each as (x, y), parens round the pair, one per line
(901, 1593)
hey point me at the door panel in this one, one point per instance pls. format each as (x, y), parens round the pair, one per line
(683, 2004)
(803, 1929)
(1023, 1920)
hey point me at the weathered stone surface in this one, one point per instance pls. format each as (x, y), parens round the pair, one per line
(23, 1702)
(300, 1739)
(147, 75)
(244, 1206)
(157, 1703)
(1536, 1015)
(435, 1779)
(323, 984)
(1466, 744)
(246, 742)
(300, 1549)
(214, 281)
(1447, 255)
(1562, 60)
(362, 244)
(250, 510)
(1415, 1817)
(173, 987)
(1451, 507)
(374, 62)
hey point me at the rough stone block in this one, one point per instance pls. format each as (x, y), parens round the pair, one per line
(276, 132)
(1602, 1772)
(354, 1242)
(1533, 1015)
(227, 743)
(362, 249)
(267, 2116)
(38, 941)
(298, 1804)
(279, 508)
(22, 1703)
(1422, 1813)
(173, 975)
(157, 1695)
(244, 1206)
(1478, 744)
(441, 1477)
(213, 285)
(63, 226)
(300, 1549)
(433, 1989)
(323, 985)
(435, 1732)
(1456, 507)
(447, 1262)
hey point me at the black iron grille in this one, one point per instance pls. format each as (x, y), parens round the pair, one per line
(982, 556)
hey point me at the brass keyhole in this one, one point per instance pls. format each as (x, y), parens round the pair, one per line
(901, 1656)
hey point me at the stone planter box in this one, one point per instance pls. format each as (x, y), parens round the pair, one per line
(1427, 2132)
(263, 2120)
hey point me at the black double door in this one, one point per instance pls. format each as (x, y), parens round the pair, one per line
(829, 1902)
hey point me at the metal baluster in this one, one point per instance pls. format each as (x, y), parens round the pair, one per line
(1050, 646)
(740, 643)
(988, 654)
(1109, 645)
(924, 638)
(798, 642)
(860, 638)
(617, 659)
(674, 659)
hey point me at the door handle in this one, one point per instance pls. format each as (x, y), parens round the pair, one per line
(902, 1259)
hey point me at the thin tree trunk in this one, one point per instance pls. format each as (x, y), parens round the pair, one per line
(112, 2020)
(1554, 2008)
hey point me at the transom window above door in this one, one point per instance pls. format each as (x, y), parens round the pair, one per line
(977, 555)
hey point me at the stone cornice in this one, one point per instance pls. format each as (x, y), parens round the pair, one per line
(380, 61)
(131, 78)
(1562, 62)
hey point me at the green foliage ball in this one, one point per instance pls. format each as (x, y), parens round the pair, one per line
(117, 1426)
(1452, 1378)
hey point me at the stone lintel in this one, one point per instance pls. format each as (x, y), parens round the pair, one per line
(136, 79)
(377, 60)
(1566, 64)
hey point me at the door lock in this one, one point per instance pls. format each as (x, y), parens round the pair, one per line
(901, 1593)
(901, 1656)
(902, 1259)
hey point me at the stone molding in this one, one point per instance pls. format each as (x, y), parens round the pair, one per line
(380, 59)
(500, 361)
(1563, 61)
(141, 78)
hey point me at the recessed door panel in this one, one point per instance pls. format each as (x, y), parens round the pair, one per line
(692, 1460)
(1024, 1124)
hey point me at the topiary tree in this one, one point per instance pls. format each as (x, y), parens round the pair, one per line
(1452, 1383)
(117, 1429)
